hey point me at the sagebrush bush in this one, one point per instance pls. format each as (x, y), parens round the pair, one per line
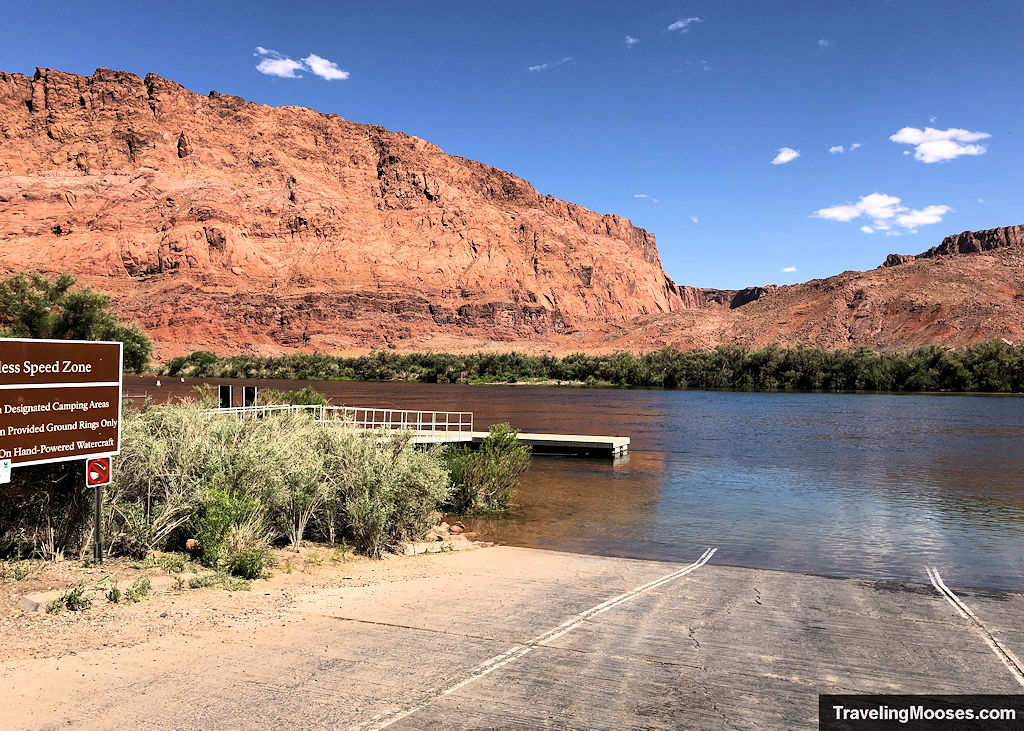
(235, 486)
(485, 481)
(245, 548)
(387, 490)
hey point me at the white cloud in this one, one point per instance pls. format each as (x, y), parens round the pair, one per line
(838, 213)
(543, 66)
(883, 211)
(324, 69)
(639, 195)
(631, 40)
(787, 270)
(693, 218)
(938, 145)
(786, 154)
(825, 43)
(933, 119)
(655, 200)
(840, 149)
(927, 215)
(880, 206)
(981, 200)
(683, 26)
(273, 63)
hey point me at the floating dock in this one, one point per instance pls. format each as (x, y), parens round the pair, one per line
(442, 427)
(576, 445)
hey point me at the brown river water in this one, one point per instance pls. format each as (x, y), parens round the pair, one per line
(865, 485)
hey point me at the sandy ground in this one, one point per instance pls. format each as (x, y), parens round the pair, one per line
(174, 613)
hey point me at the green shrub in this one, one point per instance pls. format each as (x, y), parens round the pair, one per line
(245, 549)
(139, 588)
(992, 366)
(174, 563)
(307, 396)
(227, 581)
(485, 481)
(234, 485)
(35, 307)
(220, 515)
(17, 570)
(305, 482)
(248, 564)
(45, 510)
(74, 600)
(162, 473)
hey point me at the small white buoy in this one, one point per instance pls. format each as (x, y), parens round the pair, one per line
(158, 383)
(182, 380)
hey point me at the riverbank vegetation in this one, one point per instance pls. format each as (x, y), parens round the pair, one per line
(224, 490)
(995, 366)
(485, 481)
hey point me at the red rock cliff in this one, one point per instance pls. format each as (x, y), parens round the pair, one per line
(217, 222)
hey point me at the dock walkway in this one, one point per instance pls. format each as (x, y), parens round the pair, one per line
(440, 427)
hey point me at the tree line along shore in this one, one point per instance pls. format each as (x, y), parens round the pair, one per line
(991, 367)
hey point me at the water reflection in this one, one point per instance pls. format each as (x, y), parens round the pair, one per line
(841, 484)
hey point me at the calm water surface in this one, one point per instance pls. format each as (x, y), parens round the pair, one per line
(838, 484)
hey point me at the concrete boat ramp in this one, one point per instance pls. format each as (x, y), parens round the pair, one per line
(511, 638)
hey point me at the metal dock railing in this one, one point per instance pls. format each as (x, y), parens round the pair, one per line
(425, 425)
(430, 427)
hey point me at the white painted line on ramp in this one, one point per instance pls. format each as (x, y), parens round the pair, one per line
(383, 720)
(1010, 660)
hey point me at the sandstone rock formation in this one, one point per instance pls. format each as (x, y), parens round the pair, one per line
(967, 242)
(216, 222)
(968, 289)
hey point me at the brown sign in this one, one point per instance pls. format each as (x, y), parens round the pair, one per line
(59, 400)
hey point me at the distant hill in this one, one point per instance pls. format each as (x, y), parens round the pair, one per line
(969, 288)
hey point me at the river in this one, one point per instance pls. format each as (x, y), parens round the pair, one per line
(863, 485)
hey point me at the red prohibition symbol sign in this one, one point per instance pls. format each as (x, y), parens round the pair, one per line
(97, 472)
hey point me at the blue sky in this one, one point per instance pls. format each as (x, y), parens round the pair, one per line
(691, 118)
